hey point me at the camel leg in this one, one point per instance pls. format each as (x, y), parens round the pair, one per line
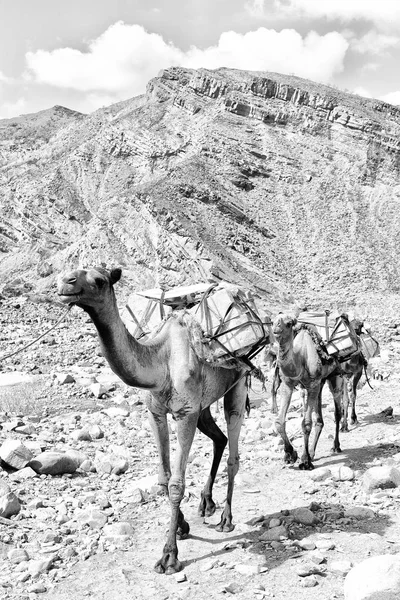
(234, 408)
(208, 426)
(318, 422)
(312, 407)
(353, 396)
(338, 387)
(286, 396)
(186, 429)
(276, 382)
(159, 427)
(345, 406)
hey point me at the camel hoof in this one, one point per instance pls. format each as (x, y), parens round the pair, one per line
(337, 450)
(207, 507)
(162, 568)
(344, 429)
(290, 458)
(306, 466)
(225, 528)
(354, 421)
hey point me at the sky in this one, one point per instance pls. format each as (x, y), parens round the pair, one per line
(86, 54)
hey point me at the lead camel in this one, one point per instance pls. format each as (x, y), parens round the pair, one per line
(179, 383)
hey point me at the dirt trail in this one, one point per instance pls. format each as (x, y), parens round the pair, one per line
(238, 563)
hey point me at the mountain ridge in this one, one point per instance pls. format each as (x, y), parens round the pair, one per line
(272, 181)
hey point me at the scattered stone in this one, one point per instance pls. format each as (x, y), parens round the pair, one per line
(15, 454)
(377, 577)
(340, 567)
(17, 555)
(309, 581)
(306, 544)
(36, 567)
(110, 463)
(22, 474)
(247, 569)
(274, 522)
(98, 390)
(11, 425)
(310, 569)
(320, 474)
(342, 473)
(180, 577)
(121, 530)
(274, 534)
(359, 513)
(63, 378)
(381, 477)
(9, 505)
(93, 517)
(117, 411)
(54, 463)
(304, 516)
(27, 429)
(37, 588)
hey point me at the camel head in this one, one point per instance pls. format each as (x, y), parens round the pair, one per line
(282, 327)
(89, 288)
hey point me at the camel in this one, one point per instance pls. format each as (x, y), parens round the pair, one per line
(178, 382)
(300, 363)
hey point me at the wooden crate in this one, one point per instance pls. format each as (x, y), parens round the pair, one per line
(231, 322)
(343, 341)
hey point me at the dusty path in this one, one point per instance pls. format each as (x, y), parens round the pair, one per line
(238, 563)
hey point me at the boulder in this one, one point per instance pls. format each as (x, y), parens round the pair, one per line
(377, 578)
(381, 477)
(54, 463)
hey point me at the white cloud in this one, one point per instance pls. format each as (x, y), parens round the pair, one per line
(122, 59)
(392, 98)
(316, 57)
(384, 13)
(12, 109)
(362, 92)
(120, 62)
(374, 43)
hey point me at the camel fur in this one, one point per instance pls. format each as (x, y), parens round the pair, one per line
(178, 382)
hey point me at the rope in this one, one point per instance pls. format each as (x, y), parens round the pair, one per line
(40, 336)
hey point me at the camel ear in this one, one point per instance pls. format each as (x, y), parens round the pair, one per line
(115, 275)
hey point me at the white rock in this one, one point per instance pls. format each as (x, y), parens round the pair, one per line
(22, 474)
(15, 454)
(9, 505)
(377, 578)
(381, 477)
(320, 474)
(98, 390)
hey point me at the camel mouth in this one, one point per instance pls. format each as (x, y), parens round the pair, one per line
(69, 298)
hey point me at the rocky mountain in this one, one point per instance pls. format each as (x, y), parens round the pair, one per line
(286, 186)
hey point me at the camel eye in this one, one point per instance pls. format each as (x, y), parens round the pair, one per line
(99, 281)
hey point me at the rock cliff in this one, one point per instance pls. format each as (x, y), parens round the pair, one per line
(281, 184)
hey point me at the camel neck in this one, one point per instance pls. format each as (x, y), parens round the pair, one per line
(131, 360)
(287, 358)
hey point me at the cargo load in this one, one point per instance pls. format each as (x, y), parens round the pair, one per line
(343, 339)
(336, 331)
(227, 314)
(369, 345)
(229, 318)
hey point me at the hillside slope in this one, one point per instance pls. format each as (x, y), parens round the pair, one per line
(284, 185)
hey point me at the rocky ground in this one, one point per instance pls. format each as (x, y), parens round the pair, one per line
(97, 532)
